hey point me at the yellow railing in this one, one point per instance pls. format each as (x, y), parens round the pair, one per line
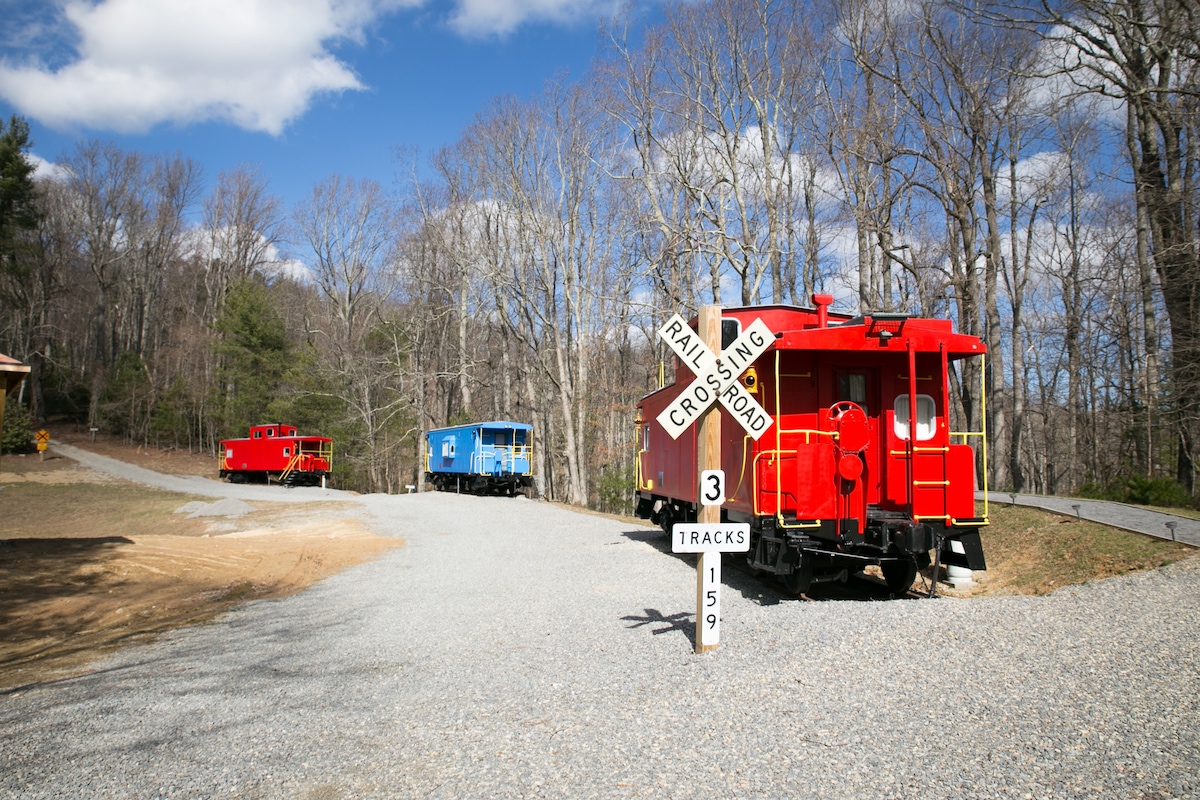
(323, 450)
(982, 434)
(779, 431)
(505, 455)
(291, 466)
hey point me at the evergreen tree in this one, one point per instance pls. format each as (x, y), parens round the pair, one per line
(18, 435)
(18, 208)
(254, 352)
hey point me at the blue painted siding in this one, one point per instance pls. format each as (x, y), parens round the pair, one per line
(482, 448)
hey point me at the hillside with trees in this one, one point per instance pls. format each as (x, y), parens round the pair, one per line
(1027, 170)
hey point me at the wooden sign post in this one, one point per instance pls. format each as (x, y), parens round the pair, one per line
(708, 457)
(716, 379)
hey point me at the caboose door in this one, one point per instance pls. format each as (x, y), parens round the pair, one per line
(860, 385)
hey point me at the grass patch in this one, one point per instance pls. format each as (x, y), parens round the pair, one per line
(1030, 551)
(93, 510)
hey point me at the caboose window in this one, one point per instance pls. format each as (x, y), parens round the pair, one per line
(925, 410)
(287, 451)
(730, 330)
(258, 434)
(853, 387)
(270, 432)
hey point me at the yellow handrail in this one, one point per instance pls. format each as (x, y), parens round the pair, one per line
(982, 434)
(291, 466)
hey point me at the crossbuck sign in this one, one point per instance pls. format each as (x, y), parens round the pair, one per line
(716, 378)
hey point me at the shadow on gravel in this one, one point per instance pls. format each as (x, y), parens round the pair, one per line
(760, 589)
(683, 622)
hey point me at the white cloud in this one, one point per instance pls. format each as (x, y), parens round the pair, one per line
(44, 170)
(255, 63)
(478, 18)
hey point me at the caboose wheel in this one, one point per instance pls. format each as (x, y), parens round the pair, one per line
(800, 579)
(666, 519)
(899, 575)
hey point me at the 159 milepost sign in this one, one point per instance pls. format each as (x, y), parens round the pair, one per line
(710, 540)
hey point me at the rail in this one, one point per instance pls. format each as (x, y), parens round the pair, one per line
(507, 456)
(982, 435)
(290, 468)
(778, 452)
(305, 452)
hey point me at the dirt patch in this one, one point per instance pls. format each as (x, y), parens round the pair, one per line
(89, 562)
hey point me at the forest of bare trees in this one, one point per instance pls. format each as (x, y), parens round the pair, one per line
(1029, 170)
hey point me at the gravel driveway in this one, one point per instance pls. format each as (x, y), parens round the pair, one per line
(517, 649)
(197, 485)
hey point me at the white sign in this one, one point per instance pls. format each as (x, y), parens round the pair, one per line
(712, 487)
(721, 537)
(716, 378)
(708, 619)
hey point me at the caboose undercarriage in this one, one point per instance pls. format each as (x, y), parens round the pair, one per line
(799, 553)
(281, 477)
(510, 485)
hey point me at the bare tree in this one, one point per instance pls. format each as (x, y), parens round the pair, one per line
(349, 228)
(712, 107)
(242, 228)
(1147, 55)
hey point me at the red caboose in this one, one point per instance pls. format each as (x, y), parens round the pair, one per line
(277, 453)
(836, 482)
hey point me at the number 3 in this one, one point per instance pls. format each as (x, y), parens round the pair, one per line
(715, 493)
(712, 487)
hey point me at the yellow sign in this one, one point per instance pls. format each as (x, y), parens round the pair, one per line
(43, 437)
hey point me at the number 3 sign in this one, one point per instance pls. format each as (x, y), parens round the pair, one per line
(712, 487)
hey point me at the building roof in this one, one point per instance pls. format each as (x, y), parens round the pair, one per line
(12, 373)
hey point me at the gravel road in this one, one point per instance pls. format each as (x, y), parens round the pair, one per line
(517, 649)
(196, 484)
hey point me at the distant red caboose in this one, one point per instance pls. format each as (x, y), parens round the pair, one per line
(276, 453)
(838, 481)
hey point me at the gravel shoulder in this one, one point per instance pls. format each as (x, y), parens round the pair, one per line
(518, 649)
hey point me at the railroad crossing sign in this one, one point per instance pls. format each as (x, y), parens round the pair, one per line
(716, 378)
(43, 439)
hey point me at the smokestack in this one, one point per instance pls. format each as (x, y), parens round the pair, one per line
(822, 302)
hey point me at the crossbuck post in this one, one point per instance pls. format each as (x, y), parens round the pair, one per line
(716, 381)
(708, 456)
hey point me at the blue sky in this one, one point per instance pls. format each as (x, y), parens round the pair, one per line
(302, 88)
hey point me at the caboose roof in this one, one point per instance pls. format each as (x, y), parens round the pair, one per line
(491, 425)
(797, 329)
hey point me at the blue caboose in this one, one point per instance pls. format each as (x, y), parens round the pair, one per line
(482, 458)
